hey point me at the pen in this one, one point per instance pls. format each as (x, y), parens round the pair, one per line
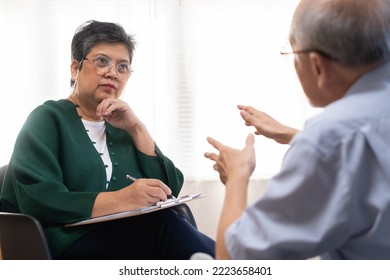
(129, 177)
(132, 178)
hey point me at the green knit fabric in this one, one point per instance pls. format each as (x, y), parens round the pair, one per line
(55, 172)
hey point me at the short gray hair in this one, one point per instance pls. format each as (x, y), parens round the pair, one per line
(92, 33)
(353, 32)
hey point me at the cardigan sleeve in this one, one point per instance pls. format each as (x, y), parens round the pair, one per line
(127, 156)
(34, 183)
(162, 167)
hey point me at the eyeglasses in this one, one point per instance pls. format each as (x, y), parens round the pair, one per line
(324, 54)
(104, 65)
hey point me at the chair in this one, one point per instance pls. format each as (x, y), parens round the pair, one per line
(22, 236)
(185, 210)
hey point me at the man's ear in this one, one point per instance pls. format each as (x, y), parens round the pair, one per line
(321, 69)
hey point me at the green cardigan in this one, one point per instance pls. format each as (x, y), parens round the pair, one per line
(55, 172)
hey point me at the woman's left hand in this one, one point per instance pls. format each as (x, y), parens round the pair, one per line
(118, 113)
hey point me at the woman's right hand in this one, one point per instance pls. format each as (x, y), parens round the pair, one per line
(141, 193)
(144, 192)
(266, 125)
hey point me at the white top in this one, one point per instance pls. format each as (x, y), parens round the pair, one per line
(97, 133)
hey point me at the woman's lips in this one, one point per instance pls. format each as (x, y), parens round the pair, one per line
(108, 86)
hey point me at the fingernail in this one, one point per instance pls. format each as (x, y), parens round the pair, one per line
(243, 113)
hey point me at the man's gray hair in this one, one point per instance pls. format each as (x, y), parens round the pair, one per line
(353, 32)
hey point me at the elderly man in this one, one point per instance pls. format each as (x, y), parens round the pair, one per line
(332, 195)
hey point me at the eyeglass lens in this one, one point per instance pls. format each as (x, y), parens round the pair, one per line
(104, 65)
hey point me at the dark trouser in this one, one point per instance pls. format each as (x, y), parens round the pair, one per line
(161, 235)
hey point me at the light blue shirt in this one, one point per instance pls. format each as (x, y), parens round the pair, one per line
(332, 194)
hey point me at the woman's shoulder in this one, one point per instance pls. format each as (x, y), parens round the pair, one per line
(53, 111)
(61, 104)
(54, 107)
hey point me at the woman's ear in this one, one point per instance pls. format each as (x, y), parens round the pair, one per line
(74, 69)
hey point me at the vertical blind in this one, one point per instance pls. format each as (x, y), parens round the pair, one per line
(195, 60)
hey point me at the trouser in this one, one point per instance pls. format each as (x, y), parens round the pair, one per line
(161, 235)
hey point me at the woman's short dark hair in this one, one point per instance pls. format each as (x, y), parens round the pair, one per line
(93, 32)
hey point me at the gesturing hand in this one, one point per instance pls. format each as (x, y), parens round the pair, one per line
(266, 125)
(233, 163)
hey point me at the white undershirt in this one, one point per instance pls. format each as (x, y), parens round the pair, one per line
(97, 133)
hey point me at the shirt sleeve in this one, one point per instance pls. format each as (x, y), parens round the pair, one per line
(302, 212)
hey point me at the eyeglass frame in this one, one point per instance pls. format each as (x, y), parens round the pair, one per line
(324, 54)
(110, 65)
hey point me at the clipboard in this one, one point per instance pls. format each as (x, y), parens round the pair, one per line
(171, 202)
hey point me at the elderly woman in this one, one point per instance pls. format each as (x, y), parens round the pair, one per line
(72, 156)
